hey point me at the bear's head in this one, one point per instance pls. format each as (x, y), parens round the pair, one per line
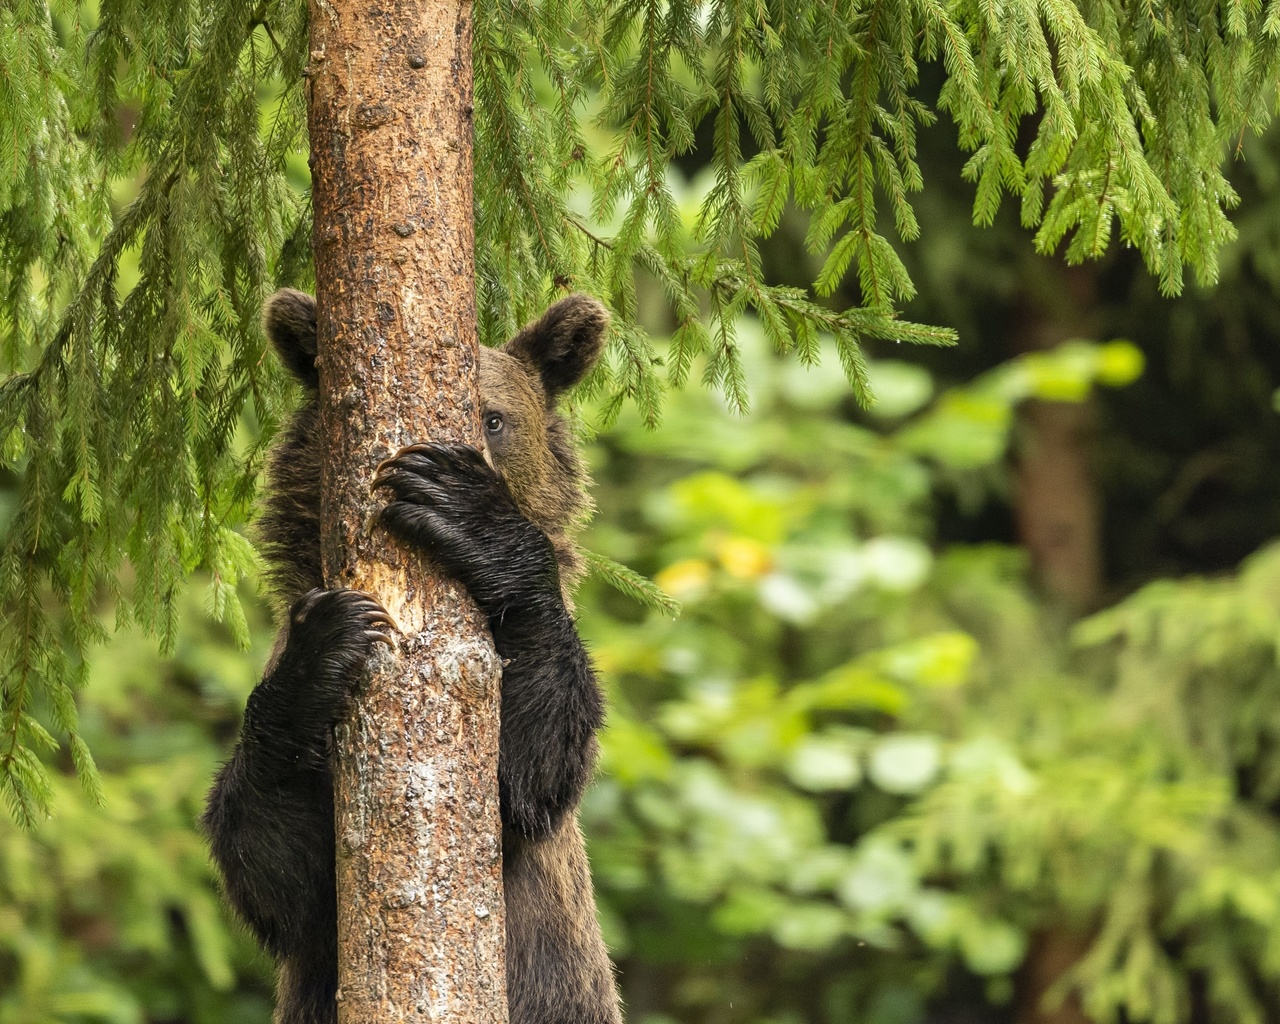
(529, 442)
(520, 383)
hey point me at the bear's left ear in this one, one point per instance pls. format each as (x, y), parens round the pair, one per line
(564, 345)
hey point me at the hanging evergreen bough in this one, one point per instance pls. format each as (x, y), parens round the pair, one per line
(122, 417)
(129, 335)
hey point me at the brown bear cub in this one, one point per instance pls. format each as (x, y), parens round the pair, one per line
(506, 534)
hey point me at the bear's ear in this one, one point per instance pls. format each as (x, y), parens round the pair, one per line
(290, 323)
(564, 345)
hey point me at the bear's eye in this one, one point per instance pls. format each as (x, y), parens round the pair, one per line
(493, 423)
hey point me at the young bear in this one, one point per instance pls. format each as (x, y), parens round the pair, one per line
(507, 536)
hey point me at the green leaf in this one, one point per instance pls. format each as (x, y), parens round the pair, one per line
(821, 763)
(904, 763)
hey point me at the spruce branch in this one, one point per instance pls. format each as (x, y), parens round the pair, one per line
(129, 335)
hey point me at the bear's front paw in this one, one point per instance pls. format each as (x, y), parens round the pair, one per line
(339, 627)
(332, 634)
(450, 502)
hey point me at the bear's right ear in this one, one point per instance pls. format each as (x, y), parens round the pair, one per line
(564, 345)
(290, 323)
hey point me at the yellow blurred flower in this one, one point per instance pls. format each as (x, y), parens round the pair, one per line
(745, 558)
(685, 579)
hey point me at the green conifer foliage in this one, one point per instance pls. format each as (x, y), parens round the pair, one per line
(129, 332)
(122, 414)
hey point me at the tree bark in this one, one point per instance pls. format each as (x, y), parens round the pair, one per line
(1054, 952)
(420, 904)
(1058, 506)
(1058, 510)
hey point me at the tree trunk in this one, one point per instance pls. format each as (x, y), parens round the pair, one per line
(1058, 506)
(1054, 952)
(420, 905)
(1058, 509)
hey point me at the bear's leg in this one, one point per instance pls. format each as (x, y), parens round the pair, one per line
(551, 709)
(270, 814)
(307, 987)
(452, 504)
(558, 970)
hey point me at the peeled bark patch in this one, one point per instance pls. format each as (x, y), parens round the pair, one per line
(420, 906)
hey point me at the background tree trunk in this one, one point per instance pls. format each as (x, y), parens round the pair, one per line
(420, 906)
(1057, 504)
(1059, 512)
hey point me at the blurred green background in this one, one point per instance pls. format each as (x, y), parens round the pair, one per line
(972, 713)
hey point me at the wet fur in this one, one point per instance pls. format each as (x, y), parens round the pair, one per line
(507, 536)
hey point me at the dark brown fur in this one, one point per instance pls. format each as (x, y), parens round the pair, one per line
(558, 971)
